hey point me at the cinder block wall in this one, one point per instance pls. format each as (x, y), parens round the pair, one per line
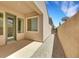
(68, 34)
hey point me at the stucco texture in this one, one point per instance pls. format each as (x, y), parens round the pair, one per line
(46, 26)
(68, 34)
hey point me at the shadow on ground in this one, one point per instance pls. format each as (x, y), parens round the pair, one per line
(58, 51)
(13, 47)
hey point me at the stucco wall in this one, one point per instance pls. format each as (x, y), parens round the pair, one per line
(27, 35)
(35, 35)
(46, 27)
(20, 36)
(3, 37)
(46, 49)
(2, 40)
(69, 36)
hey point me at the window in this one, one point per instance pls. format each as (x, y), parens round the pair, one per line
(32, 24)
(10, 24)
(20, 25)
(1, 23)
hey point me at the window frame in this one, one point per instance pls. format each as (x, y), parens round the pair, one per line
(37, 23)
(2, 22)
(21, 18)
(14, 25)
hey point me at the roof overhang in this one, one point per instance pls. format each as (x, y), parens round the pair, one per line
(22, 7)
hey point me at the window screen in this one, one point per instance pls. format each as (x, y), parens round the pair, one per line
(1, 23)
(32, 24)
(20, 25)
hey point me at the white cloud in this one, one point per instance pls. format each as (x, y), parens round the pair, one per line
(64, 6)
(72, 11)
(69, 8)
(71, 4)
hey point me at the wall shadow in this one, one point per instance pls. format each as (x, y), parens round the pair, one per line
(58, 51)
(10, 48)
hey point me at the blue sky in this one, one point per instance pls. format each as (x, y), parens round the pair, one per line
(59, 9)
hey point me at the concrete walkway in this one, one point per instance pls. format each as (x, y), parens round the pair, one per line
(13, 47)
(58, 51)
(27, 51)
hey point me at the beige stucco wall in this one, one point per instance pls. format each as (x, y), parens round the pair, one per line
(3, 37)
(20, 36)
(35, 35)
(68, 34)
(2, 40)
(43, 34)
(44, 30)
(46, 27)
(38, 36)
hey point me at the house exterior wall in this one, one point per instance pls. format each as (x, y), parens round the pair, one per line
(68, 34)
(46, 27)
(2, 40)
(38, 36)
(4, 37)
(46, 49)
(35, 35)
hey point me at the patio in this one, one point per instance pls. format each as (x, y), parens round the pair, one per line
(10, 48)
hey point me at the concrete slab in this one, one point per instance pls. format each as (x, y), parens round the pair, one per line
(13, 47)
(27, 51)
